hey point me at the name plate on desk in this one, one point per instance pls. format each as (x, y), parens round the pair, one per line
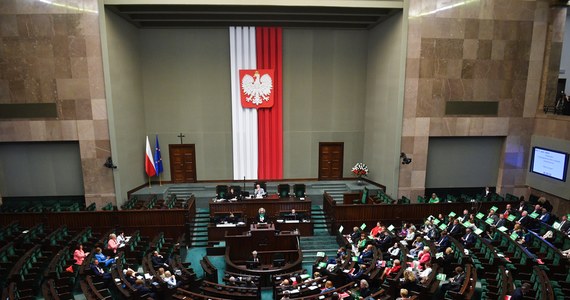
(226, 225)
(291, 221)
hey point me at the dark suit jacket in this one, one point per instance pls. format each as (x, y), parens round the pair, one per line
(455, 230)
(97, 271)
(526, 221)
(457, 282)
(443, 243)
(517, 294)
(469, 240)
(501, 222)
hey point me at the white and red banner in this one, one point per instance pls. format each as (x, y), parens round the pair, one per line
(256, 88)
(257, 133)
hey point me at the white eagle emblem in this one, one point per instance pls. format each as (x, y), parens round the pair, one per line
(257, 88)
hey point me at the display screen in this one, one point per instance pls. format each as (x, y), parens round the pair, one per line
(549, 163)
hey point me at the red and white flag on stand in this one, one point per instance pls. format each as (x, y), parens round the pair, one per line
(149, 166)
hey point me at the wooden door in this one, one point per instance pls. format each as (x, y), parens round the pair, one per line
(182, 163)
(330, 161)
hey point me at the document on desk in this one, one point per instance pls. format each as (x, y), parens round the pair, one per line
(226, 225)
(291, 221)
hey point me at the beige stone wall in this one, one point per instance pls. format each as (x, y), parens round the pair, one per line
(52, 54)
(473, 51)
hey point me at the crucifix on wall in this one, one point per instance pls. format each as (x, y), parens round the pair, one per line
(181, 136)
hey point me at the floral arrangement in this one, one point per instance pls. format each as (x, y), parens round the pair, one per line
(360, 169)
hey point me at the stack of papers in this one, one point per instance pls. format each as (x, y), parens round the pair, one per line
(226, 225)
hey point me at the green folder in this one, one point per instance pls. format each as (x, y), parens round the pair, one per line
(340, 229)
(452, 214)
(355, 258)
(305, 276)
(489, 221)
(533, 215)
(556, 225)
(480, 216)
(362, 226)
(478, 231)
(514, 236)
(502, 229)
(440, 277)
(439, 255)
(466, 224)
(322, 264)
(436, 221)
(494, 208)
(320, 254)
(511, 218)
(442, 226)
(391, 227)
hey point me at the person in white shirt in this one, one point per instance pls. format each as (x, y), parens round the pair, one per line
(423, 275)
(259, 191)
(394, 251)
(121, 240)
(170, 279)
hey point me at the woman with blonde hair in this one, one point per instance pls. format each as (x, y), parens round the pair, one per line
(112, 244)
(170, 280)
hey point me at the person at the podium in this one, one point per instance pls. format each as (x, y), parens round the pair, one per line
(259, 192)
(253, 260)
(232, 195)
(261, 216)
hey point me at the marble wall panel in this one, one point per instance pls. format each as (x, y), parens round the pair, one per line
(51, 53)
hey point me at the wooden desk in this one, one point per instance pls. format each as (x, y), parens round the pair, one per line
(273, 206)
(216, 233)
(305, 228)
(269, 245)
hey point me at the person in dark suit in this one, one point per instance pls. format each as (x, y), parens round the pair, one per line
(141, 289)
(520, 292)
(501, 222)
(522, 205)
(99, 273)
(465, 215)
(468, 239)
(443, 242)
(564, 224)
(231, 218)
(545, 216)
(232, 194)
(254, 257)
(455, 230)
(524, 219)
(357, 274)
(454, 283)
(366, 255)
(355, 235)
(158, 261)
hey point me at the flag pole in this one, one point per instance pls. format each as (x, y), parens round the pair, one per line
(160, 178)
(149, 184)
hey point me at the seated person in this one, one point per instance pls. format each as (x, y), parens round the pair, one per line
(357, 273)
(99, 273)
(361, 244)
(394, 251)
(374, 232)
(392, 271)
(468, 239)
(106, 261)
(443, 242)
(417, 246)
(366, 255)
(423, 275)
(261, 217)
(121, 239)
(230, 218)
(170, 280)
(259, 192)
(340, 256)
(454, 283)
(130, 276)
(328, 287)
(363, 290)
(286, 285)
(158, 261)
(409, 281)
(434, 198)
(355, 235)
(403, 295)
(142, 289)
(384, 240)
(232, 194)
(254, 259)
(293, 215)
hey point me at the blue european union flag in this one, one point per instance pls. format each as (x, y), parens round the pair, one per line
(158, 158)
